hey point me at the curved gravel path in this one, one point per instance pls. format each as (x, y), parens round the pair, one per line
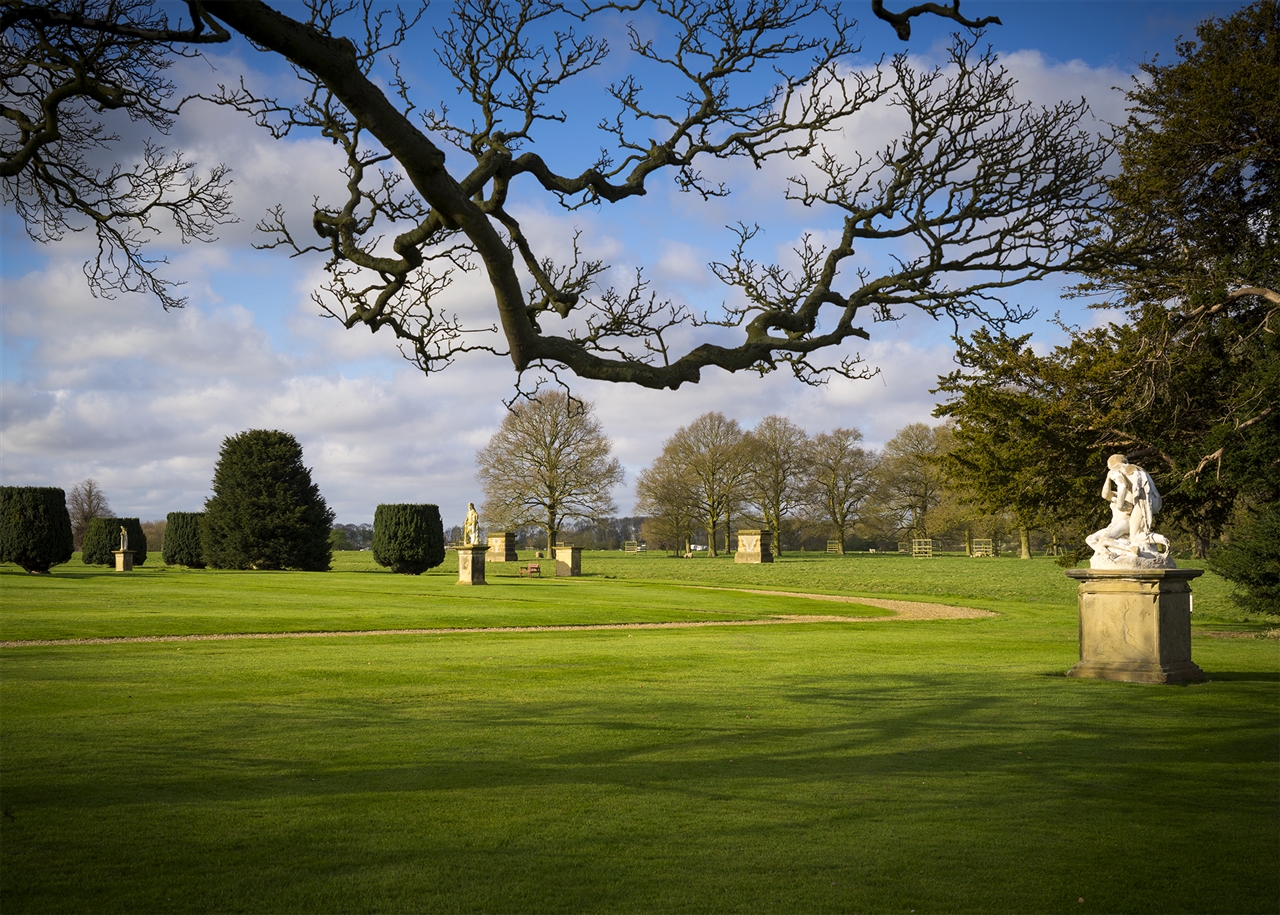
(903, 610)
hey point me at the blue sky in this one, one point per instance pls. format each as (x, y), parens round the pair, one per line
(141, 400)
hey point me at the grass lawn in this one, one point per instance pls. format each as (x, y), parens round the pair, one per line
(867, 765)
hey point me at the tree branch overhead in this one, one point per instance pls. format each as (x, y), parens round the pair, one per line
(988, 191)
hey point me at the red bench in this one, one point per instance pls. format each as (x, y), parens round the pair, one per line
(532, 569)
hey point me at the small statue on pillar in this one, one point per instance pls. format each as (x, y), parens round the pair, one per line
(124, 539)
(1128, 542)
(471, 527)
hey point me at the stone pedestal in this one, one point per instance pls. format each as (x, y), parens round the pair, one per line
(1135, 625)
(124, 560)
(754, 546)
(471, 563)
(568, 561)
(502, 547)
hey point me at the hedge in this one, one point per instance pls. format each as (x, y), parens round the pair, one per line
(102, 538)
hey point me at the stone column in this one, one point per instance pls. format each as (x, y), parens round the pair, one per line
(754, 546)
(124, 560)
(471, 563)
(1135, 625)
(568, 561)
(502, 547)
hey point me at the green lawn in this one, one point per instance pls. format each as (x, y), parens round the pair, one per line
(862, 766)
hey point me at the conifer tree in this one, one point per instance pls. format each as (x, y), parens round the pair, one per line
(408, 539)
(265, 512)
(35, 528)
(182, 540)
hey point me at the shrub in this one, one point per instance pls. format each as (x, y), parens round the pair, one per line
(102, 538)
(408, 539)
(1251, 561)
(35, 527)
(182, 540)
(265, 512)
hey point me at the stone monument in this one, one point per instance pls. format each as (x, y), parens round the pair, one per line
(502, 547)
(754, 547)
(1135, 603)
(124, 555)
(471, 552)
(568, 560)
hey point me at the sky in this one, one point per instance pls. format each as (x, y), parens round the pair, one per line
(141, 399)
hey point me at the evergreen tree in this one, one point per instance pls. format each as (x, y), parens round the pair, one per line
(1251, 561)
(408, 539)
(102, 538)
(35, 528)
(265, 512)
(182, 540)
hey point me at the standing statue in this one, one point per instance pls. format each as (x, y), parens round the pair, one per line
(1128, 542)
(124, 539)
(471, 528)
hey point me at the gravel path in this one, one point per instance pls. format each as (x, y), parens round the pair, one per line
(903, 610)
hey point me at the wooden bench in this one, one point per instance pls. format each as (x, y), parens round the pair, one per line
(532, 569)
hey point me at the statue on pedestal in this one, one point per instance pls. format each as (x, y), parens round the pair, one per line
(1128, 542)
(471, 528)
(124, 539)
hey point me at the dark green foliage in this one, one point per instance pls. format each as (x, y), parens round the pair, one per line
(182, 540)
(265, 512)
(102, 538)
(408, 539)
(1251, 561)
(35, 528)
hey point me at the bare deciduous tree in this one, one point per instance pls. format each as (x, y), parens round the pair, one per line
(704, 466)
(984, 192)
(549, 461)
(911, 476)
(840, 478)
(86, 501)
(776, 456)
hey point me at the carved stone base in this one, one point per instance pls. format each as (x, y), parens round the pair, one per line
(1135, 625)
(502, 547)
(471, 563)
(124, 560)
(568, 561)
(754, 546)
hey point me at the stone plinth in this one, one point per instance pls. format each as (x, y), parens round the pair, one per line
(568, 561)
(502, 547)
(1135, 625)
(754, 546)
(124, 560)
(471, 563)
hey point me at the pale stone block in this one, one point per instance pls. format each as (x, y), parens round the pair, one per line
(502, 547)
(1135, 625)
(124, 560)
(471, 563)
(754, 547)
(568, 561)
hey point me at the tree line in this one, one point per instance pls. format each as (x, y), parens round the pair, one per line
(550, 468)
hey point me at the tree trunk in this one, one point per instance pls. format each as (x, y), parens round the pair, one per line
(968, 541)
(1024, 537)
(1199, 545)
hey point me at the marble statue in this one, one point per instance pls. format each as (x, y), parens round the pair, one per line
(471, 528)
(124, 539)
(1128, 542)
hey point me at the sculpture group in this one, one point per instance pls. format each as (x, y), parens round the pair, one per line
(1128, 542)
